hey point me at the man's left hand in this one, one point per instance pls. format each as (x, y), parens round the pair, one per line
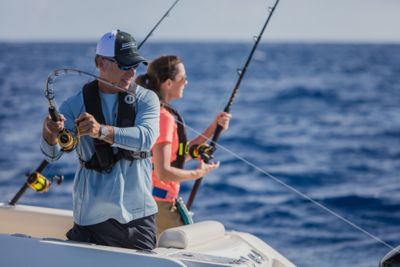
(87, 125)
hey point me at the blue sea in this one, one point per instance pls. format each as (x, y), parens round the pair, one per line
(311, 157)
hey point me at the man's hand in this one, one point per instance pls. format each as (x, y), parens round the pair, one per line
(52, 128)
(87, 125)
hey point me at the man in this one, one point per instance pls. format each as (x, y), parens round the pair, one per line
(112, 199)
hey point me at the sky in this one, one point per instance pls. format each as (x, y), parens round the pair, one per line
(376, 21)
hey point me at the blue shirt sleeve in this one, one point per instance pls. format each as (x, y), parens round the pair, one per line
(51, 153)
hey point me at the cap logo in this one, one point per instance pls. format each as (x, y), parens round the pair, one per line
(129, 99)
(127, 45)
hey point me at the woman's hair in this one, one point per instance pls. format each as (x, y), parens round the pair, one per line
(159, 70)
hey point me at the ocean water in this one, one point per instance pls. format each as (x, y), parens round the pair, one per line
(310, 121)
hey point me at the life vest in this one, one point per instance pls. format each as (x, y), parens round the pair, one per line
(104, 158)
(169, 190)
(179, 162)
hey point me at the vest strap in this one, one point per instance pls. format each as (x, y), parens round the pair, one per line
(135, 155)
(179, 162)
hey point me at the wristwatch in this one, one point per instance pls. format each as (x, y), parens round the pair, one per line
(103, 132)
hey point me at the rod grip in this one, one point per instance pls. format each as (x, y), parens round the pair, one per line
(216, 135)
(193, 194)
(55, 116)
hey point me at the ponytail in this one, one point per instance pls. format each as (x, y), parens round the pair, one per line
(159, 70)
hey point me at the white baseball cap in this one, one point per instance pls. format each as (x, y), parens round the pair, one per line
(122, 47)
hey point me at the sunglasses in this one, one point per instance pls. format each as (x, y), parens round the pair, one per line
(124, 68)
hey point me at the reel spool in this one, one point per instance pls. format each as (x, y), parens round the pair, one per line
(203, 151)
(40, 184)
(66, 140)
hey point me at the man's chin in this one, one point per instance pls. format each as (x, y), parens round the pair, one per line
(124, 84)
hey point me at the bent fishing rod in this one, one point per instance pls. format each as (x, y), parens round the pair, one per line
(36, 180)
(205, 151)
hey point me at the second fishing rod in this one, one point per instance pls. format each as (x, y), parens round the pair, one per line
(66, 140)
(205, 151)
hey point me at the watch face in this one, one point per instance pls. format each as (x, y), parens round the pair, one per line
(103, 132)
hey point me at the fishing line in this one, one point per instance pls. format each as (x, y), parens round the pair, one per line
(49, 91)
(291, 188)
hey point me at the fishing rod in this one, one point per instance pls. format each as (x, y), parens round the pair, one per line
(158, 23)
(37, 182)
(67, 141)
(205, 151)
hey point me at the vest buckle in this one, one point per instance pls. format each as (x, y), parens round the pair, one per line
(144, 154)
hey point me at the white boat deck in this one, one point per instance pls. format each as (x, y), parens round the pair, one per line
(36, 235)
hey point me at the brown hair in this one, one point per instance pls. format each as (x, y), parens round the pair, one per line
(159, 70)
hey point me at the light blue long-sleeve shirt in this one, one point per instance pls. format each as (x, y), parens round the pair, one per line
(123, 194)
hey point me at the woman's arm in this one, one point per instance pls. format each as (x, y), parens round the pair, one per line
(165, 172)
(222, 119)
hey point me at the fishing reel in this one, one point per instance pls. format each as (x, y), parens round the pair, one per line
(203, 151)
(41, 184)
(67, 140)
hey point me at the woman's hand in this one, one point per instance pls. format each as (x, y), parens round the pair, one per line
(223, 119)
(165, 172)
(205, 168)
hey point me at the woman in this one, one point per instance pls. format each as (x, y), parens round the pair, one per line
(166, 76)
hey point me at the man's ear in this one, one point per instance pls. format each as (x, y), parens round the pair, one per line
(99, 62)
